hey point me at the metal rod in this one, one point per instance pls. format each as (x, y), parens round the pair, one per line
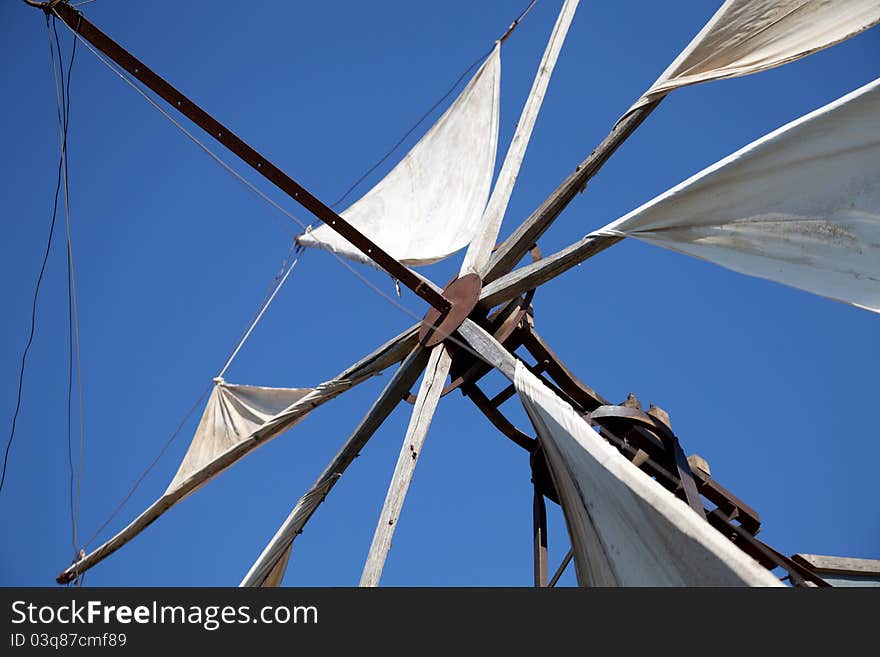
(79, 24)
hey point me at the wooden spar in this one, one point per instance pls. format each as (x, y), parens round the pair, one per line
(219, 132)
(388, 354)
(391, 396)
(488, 347)
(410, 450)
(481, 246)
(539, 530)
(531, 276)
(511, 251)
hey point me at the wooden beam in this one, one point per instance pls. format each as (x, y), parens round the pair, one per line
(511, 251)
(394, 392)
(823, 564)
(539, 532)
(423, 411)
(537, 273)
(488, 347)
(480, 248)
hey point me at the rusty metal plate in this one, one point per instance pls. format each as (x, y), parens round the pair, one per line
(463, 293)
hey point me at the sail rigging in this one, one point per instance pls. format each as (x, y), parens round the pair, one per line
(430, 204)
(799, 206)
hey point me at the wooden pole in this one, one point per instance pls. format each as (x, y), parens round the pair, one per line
(480, 248)
(531, 276)
(539, 534)
(410, 450)
(512, 250)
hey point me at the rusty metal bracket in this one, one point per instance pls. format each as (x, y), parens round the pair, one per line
(670, 442)
(462, 295)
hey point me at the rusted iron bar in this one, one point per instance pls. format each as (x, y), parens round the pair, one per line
(563, 377)
(671, 446)
(505, 426)
(219, 132)
(562, 567)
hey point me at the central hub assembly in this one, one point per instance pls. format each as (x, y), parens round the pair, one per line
(462, 294)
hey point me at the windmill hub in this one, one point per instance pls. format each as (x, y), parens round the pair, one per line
(462, 294)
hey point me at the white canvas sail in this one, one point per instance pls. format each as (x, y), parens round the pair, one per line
(429, 206)
(625, 528)
(800, 206)
(748, 36)
(233, 414)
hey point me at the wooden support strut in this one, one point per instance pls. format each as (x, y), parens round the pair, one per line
(539, 530)
(84, 28)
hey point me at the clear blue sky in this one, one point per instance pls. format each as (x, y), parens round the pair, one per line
(776, 388)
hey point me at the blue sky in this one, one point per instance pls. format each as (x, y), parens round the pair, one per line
(772, 385)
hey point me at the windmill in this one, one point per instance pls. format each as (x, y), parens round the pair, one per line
(463, 339)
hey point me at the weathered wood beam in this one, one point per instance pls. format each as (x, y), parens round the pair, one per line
(480, 248)
(526, 278)
(511, 251)
(420, 420)
(539, 531)
(488, 347)
(391, 396)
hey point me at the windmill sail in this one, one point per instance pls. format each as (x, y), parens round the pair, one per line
(233, 414)
(800, 206)
(429, 206)
(237, 419)
(625, 528)
(747, 36)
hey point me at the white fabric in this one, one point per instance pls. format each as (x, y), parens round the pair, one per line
(429, 205)
(800, 206)
(233, 413)
(747, 36)
(481, 247)
(276, 575)
(625, 528)
(268, 570)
